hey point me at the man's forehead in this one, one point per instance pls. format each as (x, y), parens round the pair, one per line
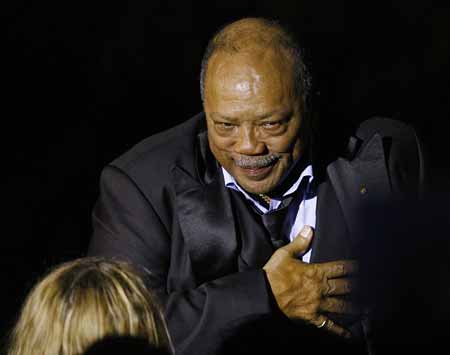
(246, 76)
(257, 58)
(234, 78)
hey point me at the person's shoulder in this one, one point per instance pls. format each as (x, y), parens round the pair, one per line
(158, 152)
(385, 127)
(401, 147)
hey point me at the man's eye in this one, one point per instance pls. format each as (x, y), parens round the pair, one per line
(271, 125)
(224, 126)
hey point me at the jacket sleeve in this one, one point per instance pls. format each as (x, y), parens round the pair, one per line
(126, 226)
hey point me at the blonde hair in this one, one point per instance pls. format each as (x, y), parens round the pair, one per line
(83, 301)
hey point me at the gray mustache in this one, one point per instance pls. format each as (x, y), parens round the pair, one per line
(248, 162)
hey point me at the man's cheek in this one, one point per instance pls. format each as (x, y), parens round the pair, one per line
(284, 147)
(224, 145)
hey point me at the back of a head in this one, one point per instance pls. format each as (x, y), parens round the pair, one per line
(82, 301)
(120, 345)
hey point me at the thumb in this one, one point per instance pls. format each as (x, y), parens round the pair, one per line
(301, 242)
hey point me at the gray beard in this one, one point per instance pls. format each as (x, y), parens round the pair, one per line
(249, 162)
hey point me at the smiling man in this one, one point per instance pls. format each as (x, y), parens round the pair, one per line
(254, 116)
(228, 215)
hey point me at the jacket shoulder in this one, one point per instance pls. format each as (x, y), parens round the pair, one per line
(385, 127)
(402, 148)
(397, 136)
(157, 153)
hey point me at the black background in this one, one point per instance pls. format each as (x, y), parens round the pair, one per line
(84, 81)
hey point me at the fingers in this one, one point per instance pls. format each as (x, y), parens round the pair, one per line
(301, 242)
(324, 323)
(337, 305)
(339, 268)
(338, 287)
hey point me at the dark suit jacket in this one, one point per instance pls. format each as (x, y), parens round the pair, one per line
(163, 206)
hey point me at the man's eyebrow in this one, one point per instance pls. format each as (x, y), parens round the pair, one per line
(280, 113)
(217, 115)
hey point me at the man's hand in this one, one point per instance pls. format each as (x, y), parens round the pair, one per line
(307, 291)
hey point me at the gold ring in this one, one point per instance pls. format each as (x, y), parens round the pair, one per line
(323, 324)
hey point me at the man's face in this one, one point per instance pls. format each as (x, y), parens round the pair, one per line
(253, 116)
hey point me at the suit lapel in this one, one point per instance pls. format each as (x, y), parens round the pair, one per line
(331, 239)
(204, 214)
(206, 221)
(359, 184)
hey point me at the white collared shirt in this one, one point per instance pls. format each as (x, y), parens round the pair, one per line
(301, 211)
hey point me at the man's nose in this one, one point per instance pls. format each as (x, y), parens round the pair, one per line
(248, 143)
